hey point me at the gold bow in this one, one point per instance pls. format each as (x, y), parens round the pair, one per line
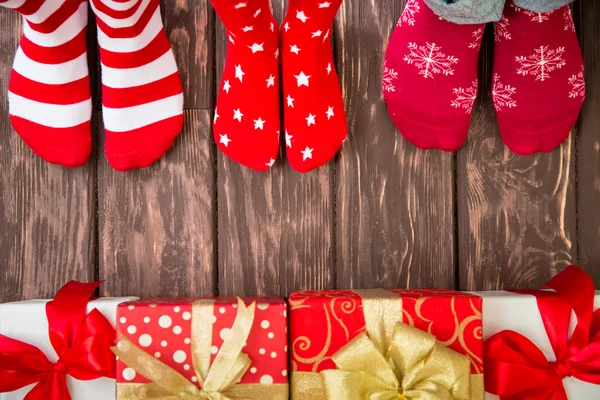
(391, 361)
(219, 381)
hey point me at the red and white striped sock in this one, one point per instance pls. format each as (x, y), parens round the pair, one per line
(142, 97)
(49, 97)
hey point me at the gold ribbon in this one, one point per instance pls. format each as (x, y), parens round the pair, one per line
(391, 361)
(219, 381)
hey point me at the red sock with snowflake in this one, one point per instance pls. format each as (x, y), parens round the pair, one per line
(538, 84)
(247, 117)
(430, 77)
(315, 121)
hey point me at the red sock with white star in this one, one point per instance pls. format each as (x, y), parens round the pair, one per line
(315, 121)
(247, 117)
(430, 77)
(538, 85)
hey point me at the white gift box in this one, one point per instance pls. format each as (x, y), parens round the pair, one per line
(520, 313)
(26, 321)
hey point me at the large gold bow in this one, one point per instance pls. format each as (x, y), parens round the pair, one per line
(219, 381)
(390, 361)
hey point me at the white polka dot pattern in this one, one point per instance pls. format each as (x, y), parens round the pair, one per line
(162, 327)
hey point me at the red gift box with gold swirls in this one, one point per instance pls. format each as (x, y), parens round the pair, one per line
(222, 346)
(324, 322)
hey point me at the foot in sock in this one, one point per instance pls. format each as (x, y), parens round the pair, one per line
(430, 77)
(315, 121)
(538, 84)
(247, 118)
(49, 91)
(142, 97)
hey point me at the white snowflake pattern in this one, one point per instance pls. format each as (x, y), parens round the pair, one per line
(541, 63)
(477, 35)
(408, 15)
(389, 76)
(501, 30)
(430, 60)
(465, 97)
(502, 94)
(538, 17)
(569, 25)
(578, 86)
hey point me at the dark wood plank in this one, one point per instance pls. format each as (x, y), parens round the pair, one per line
(275, 228)
(395, 224)
(157, 225)
(190, 27)
(47, 212)
(516, 214)
(588, 142)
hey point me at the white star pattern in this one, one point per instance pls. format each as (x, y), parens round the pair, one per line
(226, 86)
(256, 13)
(301, 16)
(329, 113)
(288, 139)
(286, 26)
(290, 101)
(328, 68)
(317, 34)
(224, 140)
(325, 4)
(231, 39)
(310, 120)
(239, 73)
(259, 123)
(277, 53)
(240, 5)
(270, 163)
(248, 28)
(294, 49)
(307, 153)
(216, 116)
(271, 81)
(272, 27)
(326, 36)
(256, 47)
(302, 79)
(237, 115)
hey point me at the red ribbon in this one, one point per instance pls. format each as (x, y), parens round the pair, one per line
(82, 343)
(516, 369)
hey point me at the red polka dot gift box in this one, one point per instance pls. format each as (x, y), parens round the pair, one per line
(210, 348)
(405, 344)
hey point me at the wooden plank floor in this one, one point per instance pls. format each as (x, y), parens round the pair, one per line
(382, 214)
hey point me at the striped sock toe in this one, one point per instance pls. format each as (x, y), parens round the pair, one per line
(49, 97)
(142, 96)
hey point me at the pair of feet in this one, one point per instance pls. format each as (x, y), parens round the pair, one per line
(430, 78)
(50, 104)
(247, 123)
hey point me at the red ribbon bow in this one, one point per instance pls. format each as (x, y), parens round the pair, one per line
(515, 368)
(81, 341)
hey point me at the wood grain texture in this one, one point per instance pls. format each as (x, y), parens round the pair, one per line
(517, 220)
(47, 212)
(275, 228)
(395, 225)
(190, 27)
(588, 142)
(157, 225)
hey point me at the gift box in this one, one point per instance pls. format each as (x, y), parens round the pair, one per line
(26, 348)
(389, 344)
(543, 344)
(220, 348)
